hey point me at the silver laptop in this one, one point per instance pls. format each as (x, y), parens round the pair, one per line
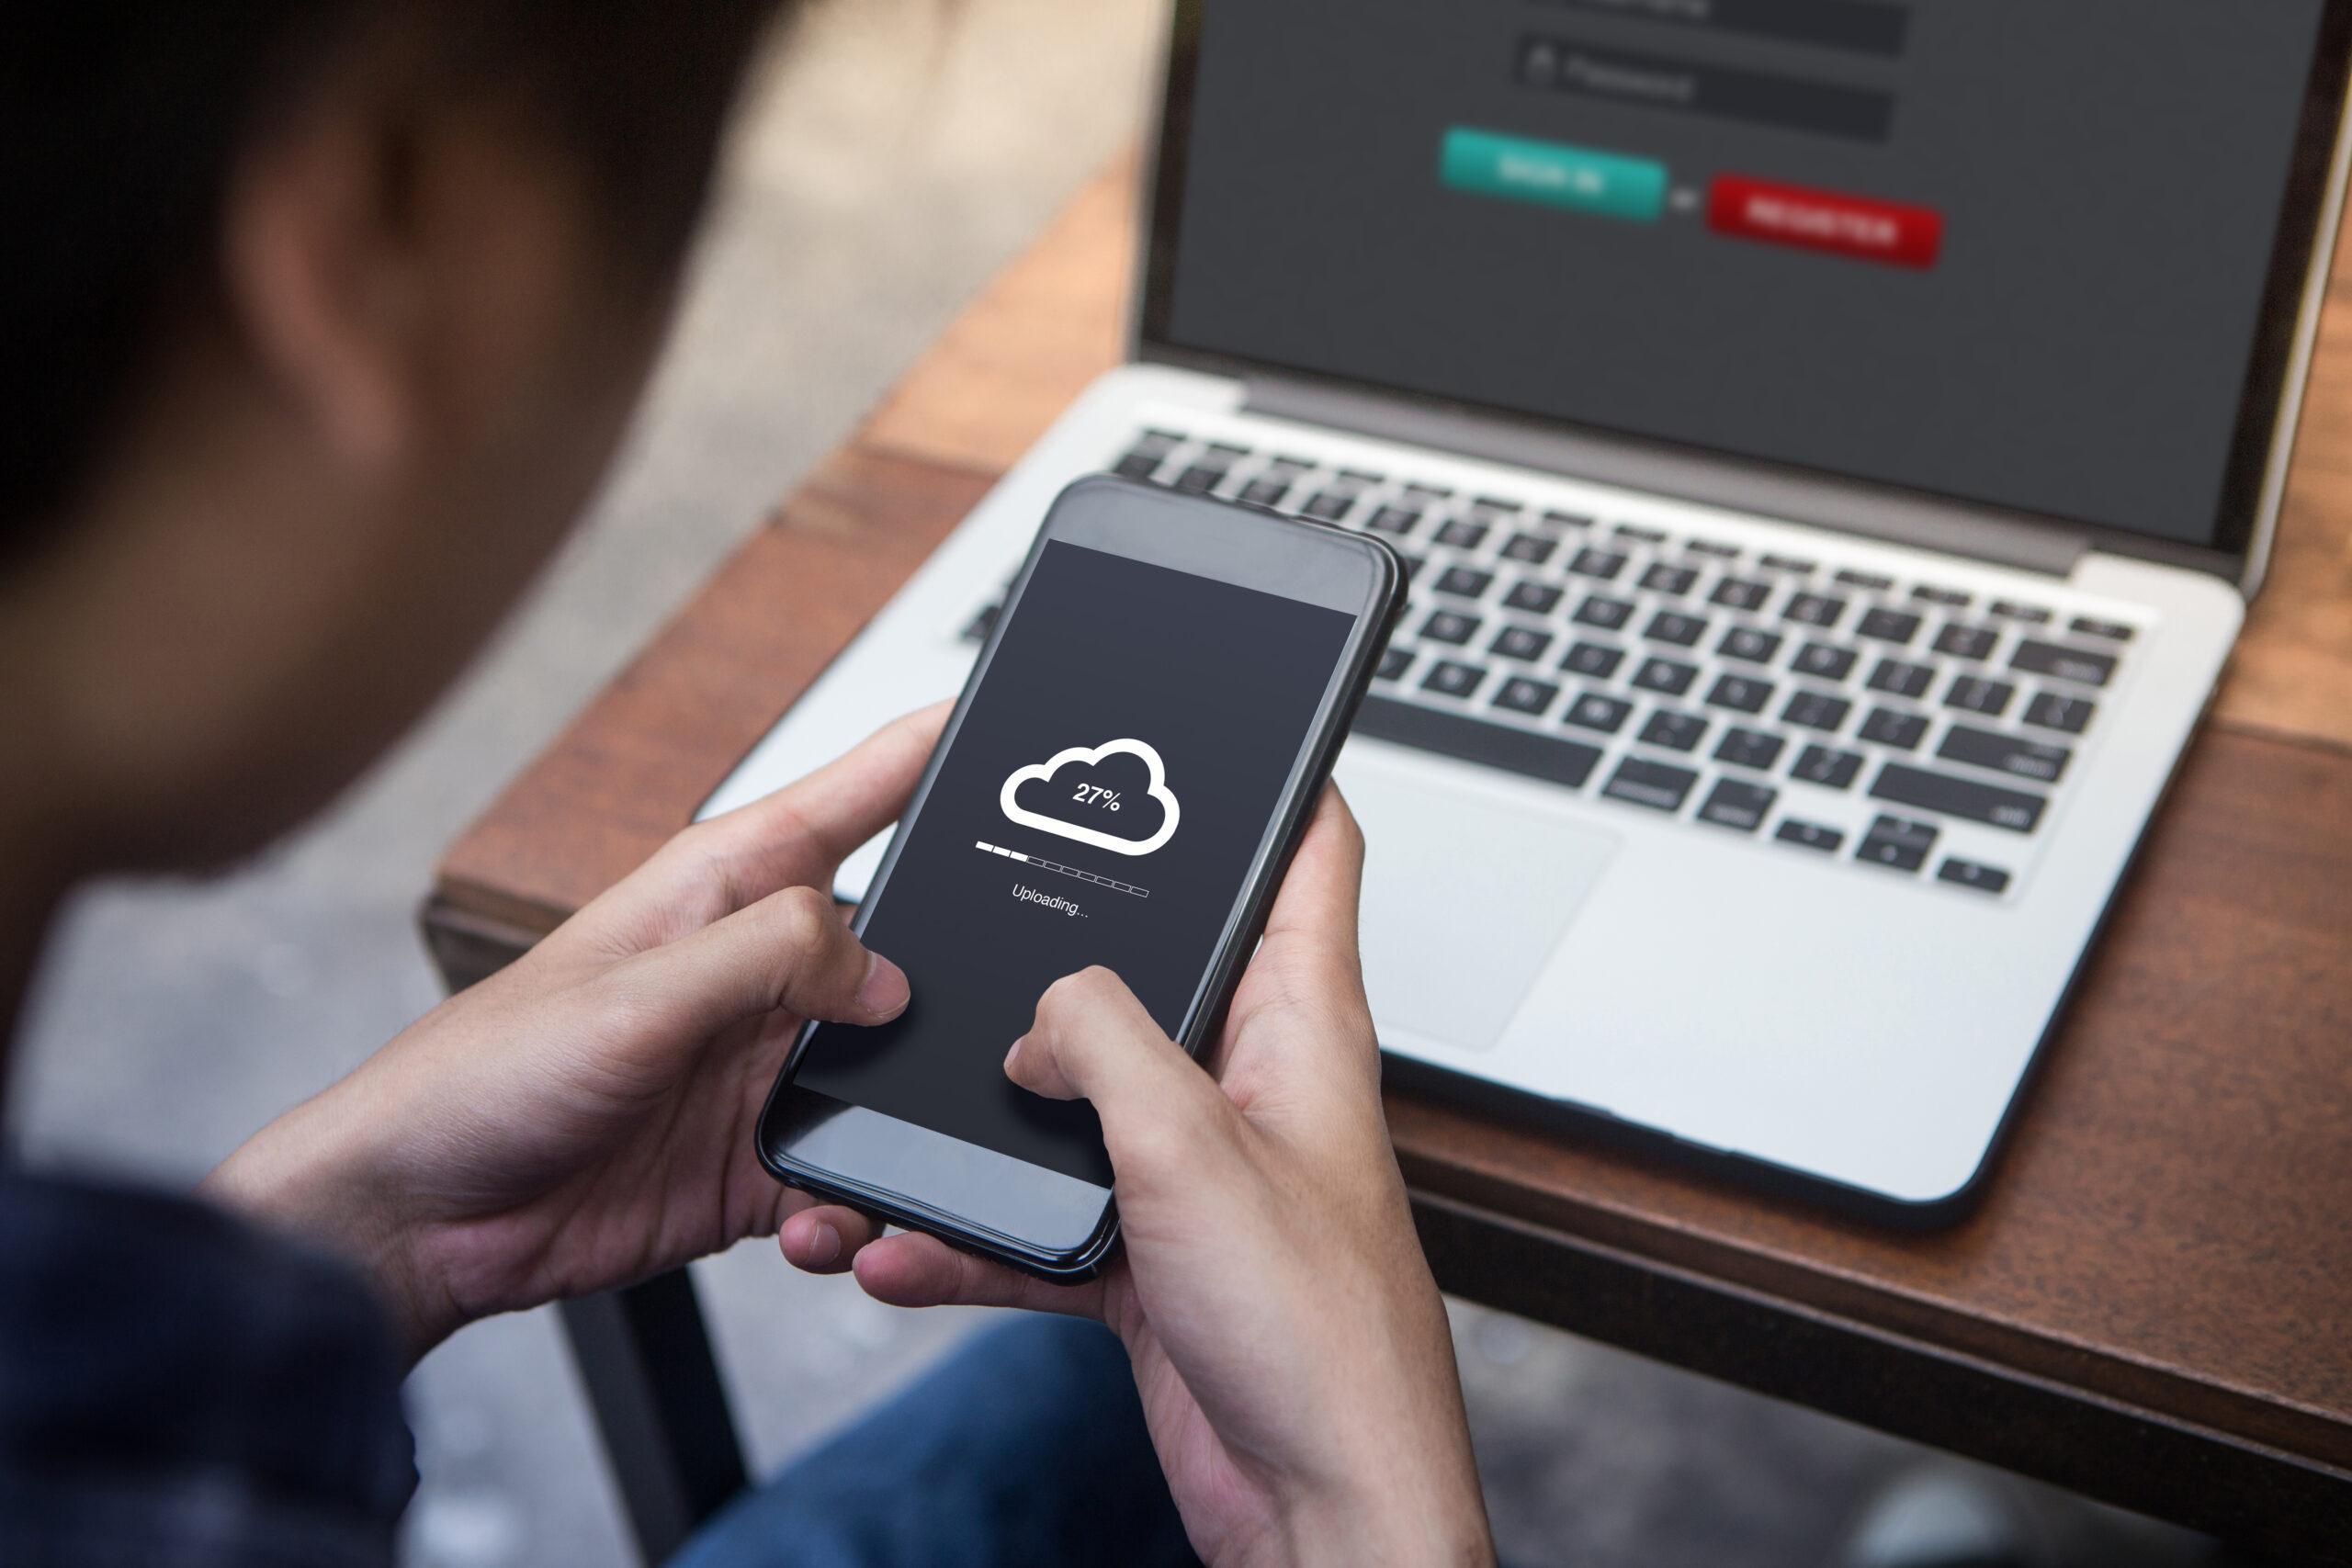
(1834, 441)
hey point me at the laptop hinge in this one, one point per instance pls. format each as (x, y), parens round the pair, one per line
(2011, 539)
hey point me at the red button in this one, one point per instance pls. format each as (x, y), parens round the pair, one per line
(1823, 220)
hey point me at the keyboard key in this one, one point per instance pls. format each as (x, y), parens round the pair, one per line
(1496, 509)
(1395, 521)
(1453, 678)
(1534, 598)
(1670, 677)
(1461, 535)
(1413, 564)
(1536, 756)
(1567, 520)
(1521, 642)
(1740, 593)
(1639, 535)
(1749, 749)
(2035, 760)
(1675, 731)
(1888, 727)
(2032, 614)
(1816, 710)
(1736, 802)
(1228, 450)
(1420, 492)
(1741, 693)
(1898, 842)
(2036, 657)
(1711, 547)
(1450, 626)
(1137, 465)
(2050, 710)
(978, 630)
(1200, 477)
(1597, 660)
(1974, 693)
(1906, 785)
(1747, 643)
(1520, 694)
(1264, 492)
(1673, 580)
(1950, 598)
(1658, 786)
(1604, 611)
(1361, 476)
(1870, 581)
(1969, 874)
(1788, 563)
(2114, 631)
(1465, 581)
(1674, 626)
(1593, 711)
(1328, 506)
(1393, 663)
(1823, 661)
(1532, 548)
(1602, 564)
(1898, 678)
(1889, 626)
(1966, 642)
(1813, 609)
(1826, 766)
(1810, 835)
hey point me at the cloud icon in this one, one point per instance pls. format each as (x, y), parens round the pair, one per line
(1112, 808)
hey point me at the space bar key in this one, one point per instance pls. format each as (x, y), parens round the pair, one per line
(2012, 808)
(1560, 760)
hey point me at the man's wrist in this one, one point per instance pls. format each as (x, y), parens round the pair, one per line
(307, 1175)
(1435, 1523)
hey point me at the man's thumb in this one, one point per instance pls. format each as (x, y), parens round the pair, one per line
(788, 952)
(1094, 1041)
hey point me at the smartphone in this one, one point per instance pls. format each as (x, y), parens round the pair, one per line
(1121, 782)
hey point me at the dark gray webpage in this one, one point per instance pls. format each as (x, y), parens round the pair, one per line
(2110, 174)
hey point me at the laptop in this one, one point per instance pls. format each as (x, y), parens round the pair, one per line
(1835, 442)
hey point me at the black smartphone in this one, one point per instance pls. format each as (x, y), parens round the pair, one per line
(1121, 782)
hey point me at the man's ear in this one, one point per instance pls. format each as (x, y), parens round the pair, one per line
(324, 283)
(401, 267)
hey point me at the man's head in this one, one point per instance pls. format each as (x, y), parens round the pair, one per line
(325, 320)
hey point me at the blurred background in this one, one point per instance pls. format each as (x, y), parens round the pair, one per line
(890, 158)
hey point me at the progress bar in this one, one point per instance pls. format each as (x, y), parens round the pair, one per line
(988, 848)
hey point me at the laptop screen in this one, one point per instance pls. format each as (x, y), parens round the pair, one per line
(2040, 255)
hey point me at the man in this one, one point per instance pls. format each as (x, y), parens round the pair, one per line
(328, 317)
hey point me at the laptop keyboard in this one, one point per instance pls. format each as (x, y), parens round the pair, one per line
(1823, 707)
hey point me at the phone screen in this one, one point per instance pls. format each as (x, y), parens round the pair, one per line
(1102, 803)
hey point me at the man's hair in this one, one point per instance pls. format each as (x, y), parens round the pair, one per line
(124, 119)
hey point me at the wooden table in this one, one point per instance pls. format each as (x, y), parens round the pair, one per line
(2153, 1305)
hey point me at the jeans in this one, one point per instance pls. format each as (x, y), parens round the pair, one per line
(1024, 1448)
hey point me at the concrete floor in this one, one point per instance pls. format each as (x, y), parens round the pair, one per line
(898, 154)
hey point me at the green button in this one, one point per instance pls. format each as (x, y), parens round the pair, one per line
(1553, 174)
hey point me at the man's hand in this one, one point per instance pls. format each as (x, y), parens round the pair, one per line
(1289, 1344)
(583, 1118)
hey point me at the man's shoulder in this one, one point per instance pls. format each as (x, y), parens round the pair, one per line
(170, 1373)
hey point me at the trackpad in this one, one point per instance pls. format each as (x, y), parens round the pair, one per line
(1464, 900)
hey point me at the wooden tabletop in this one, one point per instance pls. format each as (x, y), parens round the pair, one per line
(2153, 1302)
